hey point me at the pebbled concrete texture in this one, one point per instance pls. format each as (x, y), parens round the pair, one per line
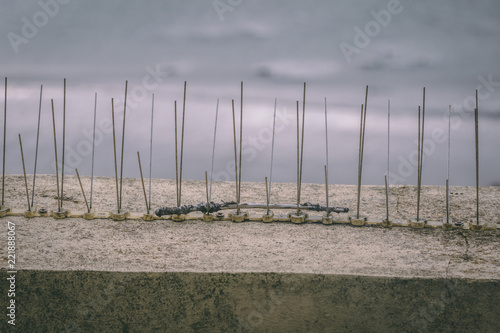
(77, 275)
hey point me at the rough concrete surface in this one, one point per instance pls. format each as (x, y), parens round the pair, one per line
(220, 276)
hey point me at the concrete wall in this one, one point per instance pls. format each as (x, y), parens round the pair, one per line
(87, 301)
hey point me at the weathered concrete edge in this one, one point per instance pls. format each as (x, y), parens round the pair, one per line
(83, 301)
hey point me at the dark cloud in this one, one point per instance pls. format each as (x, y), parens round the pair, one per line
(271, 45)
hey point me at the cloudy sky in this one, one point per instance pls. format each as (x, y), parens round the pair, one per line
(337, 47)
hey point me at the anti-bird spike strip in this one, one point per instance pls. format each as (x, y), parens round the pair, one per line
(4, 141)
(24, 173)
(93, 151)
(36, 147)
(63, 144)
(210, 207)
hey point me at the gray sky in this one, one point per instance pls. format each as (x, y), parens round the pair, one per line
(450, 47)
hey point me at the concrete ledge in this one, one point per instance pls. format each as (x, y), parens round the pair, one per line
(89, 301)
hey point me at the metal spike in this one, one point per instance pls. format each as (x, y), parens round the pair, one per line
(36, 147)
(55, 153)
(241, 142)
(298, 161)
(326, 149)
(123, 144)
(182, 143)
(213, 151)
(151, 149)
(272, 151)
(476, 122)
(63, 144)
(24, 172)
(235, 162)
(176, 156)
(4, 141)
(206, 190)
(142, 181)
(93, 151)
(114, 150)
(83, 192)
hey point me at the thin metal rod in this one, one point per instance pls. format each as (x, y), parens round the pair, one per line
(123, 145)
(55, 153)
(93, 151)
(298, 160)
(302, 138)
(362, 149)
(387, 184)
(421, 156)
(360, 160)
(114, 150)
(24, 172)
(63, 143)
(326, 185)
(422, 144)
(364, 125)
(83, 192)
(235, 162)
(388, 137)
(176, 156)
(36, 147)
(386, 199)
(449, 142)
(182, 143)
(206, 190)
(476, 121)
(241, 142)
(4, 141)
(272, 149)
(267, 197)
(142, 181)
(151, 149)
(213, 151)
(302, 142)
(419, 165)
(447, 201)
(326, 146)
(448, 172)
